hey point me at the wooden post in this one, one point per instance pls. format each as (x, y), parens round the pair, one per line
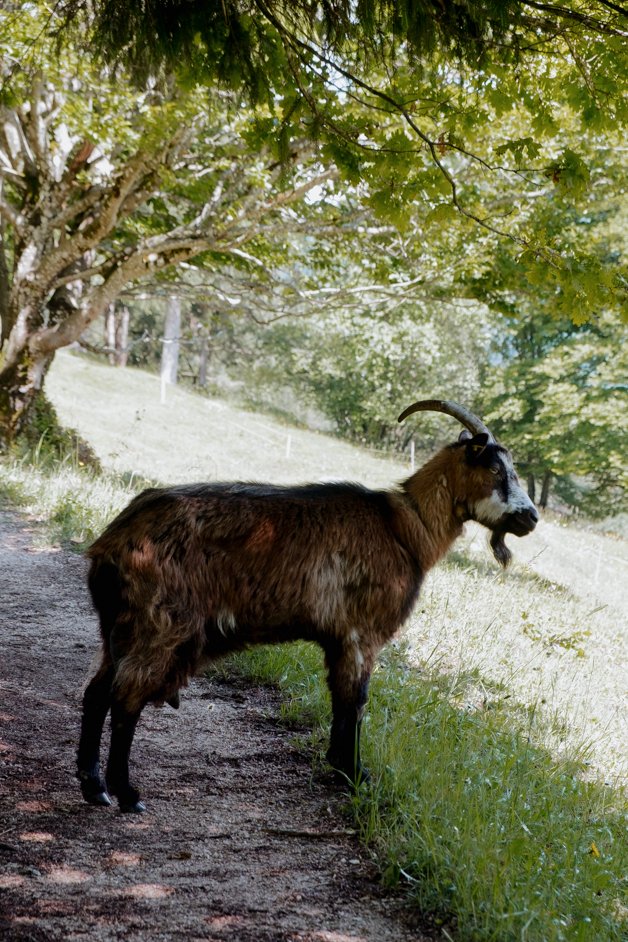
(170, 342)
(110, 333)
(122, 336)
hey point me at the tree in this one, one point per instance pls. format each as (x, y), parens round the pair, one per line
(561, 398)
(555, 382)
(171, 340)
(101, 186)
(419, 101)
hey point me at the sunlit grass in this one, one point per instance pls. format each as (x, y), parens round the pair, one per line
(75, 502)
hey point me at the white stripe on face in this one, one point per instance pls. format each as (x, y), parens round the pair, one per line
(491, 509)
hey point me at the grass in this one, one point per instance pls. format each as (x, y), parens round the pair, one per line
(478, 804)
(493, 837)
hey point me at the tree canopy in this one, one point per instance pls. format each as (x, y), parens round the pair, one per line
(256, 43)
(392, 163)
(477, 108)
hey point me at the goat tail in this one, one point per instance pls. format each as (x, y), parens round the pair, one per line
(106, 589)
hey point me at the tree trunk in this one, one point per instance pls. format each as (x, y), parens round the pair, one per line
(170, 349)
(110, 333)
(203, 358)
(531, 487)
(547, 480)
(20, 384)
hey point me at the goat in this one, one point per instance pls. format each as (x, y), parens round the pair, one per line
(186, 574)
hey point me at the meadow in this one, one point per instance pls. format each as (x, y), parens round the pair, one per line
(496, 731)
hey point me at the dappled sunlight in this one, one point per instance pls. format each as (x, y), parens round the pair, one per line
(325, 936)
(37, 837)
(120, 858)
(67, 875)
(34, 807)
(137, 825)
(147, 891)
(224, 922)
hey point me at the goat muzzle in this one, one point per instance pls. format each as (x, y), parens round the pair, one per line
(519, 524)
(522, 522)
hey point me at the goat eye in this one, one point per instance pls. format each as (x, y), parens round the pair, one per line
(494, 470)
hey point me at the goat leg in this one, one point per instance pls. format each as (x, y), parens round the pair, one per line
(344, 746)
(123, 724)
(96, 701)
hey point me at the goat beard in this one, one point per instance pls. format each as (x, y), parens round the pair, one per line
(500, 551)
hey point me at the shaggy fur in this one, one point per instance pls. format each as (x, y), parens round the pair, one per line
(186, 574)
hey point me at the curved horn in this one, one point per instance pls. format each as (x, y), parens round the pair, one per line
(468, 419)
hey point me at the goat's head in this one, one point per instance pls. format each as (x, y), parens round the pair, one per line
(487, 489)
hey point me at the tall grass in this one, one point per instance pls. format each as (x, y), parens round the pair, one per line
(75, 502)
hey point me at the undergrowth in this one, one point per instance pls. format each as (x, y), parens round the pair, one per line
(494, 839)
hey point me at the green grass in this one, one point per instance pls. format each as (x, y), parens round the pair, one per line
(478, 804)
(493, 837)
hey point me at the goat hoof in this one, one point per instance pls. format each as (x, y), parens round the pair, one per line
(353, 777)
(100, 798)
(93, 789)
(136, 807)
(362, 776)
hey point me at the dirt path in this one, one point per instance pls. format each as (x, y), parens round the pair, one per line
(241, 841)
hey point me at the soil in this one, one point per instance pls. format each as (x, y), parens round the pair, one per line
(241, 841)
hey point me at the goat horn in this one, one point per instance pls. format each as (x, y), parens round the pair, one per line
(468, 419)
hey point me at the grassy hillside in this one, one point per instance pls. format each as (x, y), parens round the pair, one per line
(493, 834)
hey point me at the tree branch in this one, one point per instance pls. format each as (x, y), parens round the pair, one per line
(574, 16)
(4, 293)
(35, 127)
(401, 109)
(77, 208)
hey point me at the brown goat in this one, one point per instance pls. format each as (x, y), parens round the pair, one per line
(186, 574)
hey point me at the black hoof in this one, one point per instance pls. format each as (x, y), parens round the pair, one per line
(93, 789)
(136, 807)
(350, 776)
(129, 800)
(101, 798)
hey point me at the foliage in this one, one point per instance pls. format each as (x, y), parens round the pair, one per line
(380, 187)
(361, 366)
(556, 383)
(47, 441)
(472, 109)
(249, 44)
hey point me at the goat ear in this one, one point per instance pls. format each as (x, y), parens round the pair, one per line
(476, 446)
(465, 435)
